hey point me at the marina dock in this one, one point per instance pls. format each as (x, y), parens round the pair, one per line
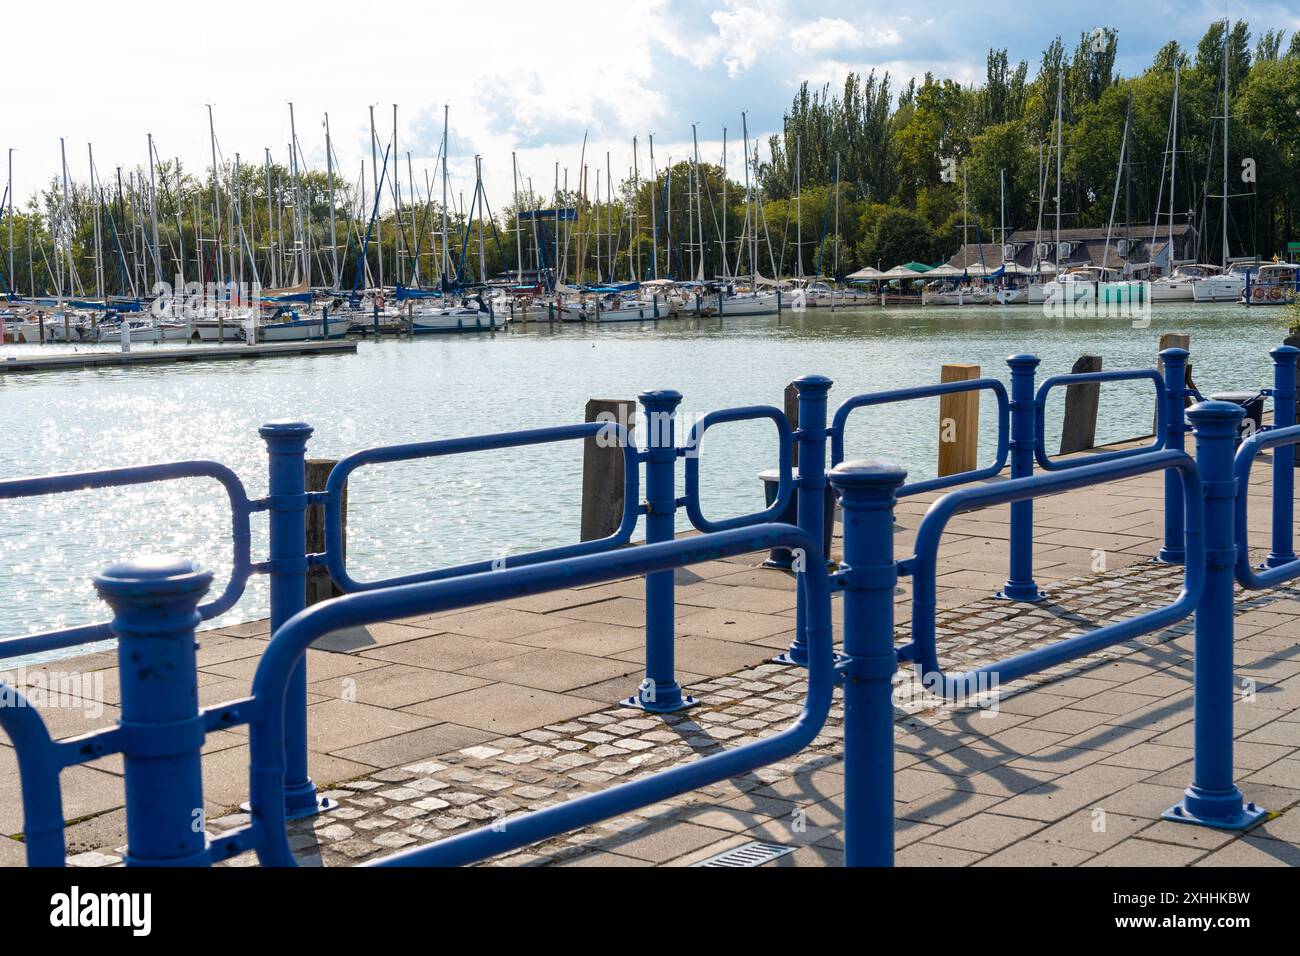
(151, 356)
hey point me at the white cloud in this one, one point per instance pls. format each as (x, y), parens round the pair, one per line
(830, 34)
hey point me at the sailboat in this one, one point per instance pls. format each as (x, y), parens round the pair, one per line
(1229, 284)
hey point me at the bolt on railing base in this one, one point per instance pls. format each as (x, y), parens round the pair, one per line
(792, 660)
(1218, 810)
(301, 810)
(682, 702)
(1277, 560)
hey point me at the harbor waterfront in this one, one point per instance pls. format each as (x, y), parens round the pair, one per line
(411, 516)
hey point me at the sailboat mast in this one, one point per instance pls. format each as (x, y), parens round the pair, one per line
(216, 202)
(668, 218)
(835, 255)
(1226, 33)
(374, 172)
(270, 220)
(11, 220)
(699, 202)
(446, 118)
(1057, 244)
(798, 205)
(609, 216)
(329, 175)
(1002, 208)
(99, 261)
(654, 214)
(519, 239)
(153, 214)
(751, 228)
(632, 228)
(1173, 164)
(725, 270)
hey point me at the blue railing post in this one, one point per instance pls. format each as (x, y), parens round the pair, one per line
(1284, 389)
(660, 692)
(1020, 584)
(867, 492)
(810, 496)
(1213, 798)
(1175, 371)
(286, 447)
(154, 602)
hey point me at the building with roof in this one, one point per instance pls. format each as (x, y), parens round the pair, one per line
(1130, 246)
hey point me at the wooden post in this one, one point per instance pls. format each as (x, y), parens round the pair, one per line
(1079, 429)
(602, 470)
(1171, 340)
(792, 413)
(319, 586)
(959, 422)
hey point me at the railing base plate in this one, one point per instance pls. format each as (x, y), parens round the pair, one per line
(1249, 815)
(1026, 597)
(653, 707)
(322, 805)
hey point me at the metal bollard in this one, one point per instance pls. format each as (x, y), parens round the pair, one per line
(286, 447)
(1213, 799)
(1174, 363)
(154, 602)
(810, 491)
(1020, 584)
(1284, 389)
(660, 692)
(868, 490)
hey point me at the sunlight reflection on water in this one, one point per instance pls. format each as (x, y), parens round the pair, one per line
(419, 515)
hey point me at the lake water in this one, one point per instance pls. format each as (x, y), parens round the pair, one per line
(414, 516)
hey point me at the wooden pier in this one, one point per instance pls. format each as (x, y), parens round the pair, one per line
(151, 356)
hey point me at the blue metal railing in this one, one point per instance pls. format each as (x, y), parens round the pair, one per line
(241, 508)
(613, 433)
(287, 648)
(923, 566)
(1044, 459)
(840, 422)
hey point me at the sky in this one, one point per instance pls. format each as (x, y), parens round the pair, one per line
(524, 77)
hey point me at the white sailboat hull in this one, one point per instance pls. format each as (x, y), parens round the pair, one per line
(1218, 289)
(456, 320)
(302, 330)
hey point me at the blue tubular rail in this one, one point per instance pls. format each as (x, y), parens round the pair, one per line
(785, 486)
(922, 650)
(39, 764)
(333, 557)
(1247, 576)
(1047, 463)
(932, 391)
(287, 647)
(240, 508)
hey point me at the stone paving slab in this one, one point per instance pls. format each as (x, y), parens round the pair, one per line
(429, 726)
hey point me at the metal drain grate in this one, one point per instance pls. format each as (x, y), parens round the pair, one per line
(748, 854)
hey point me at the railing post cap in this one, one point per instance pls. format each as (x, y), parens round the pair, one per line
(152, 576)
(867, 473)
(812, 383)
(660, 396)
(285, 429)
(1174, 354)
(1023, 360)
(1284, 353)
(1216, 413)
